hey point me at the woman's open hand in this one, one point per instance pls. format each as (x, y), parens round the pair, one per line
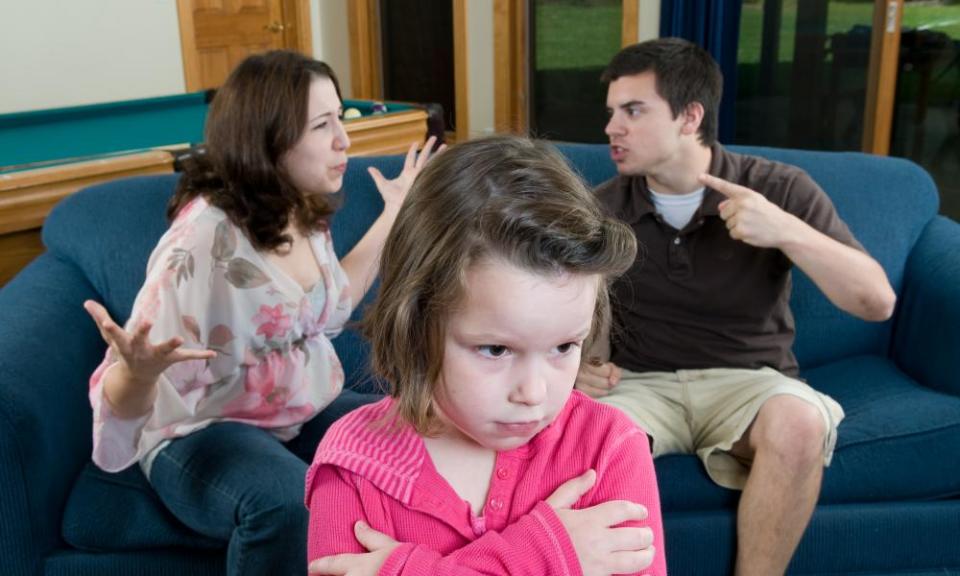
(140, 361)
(394, 191)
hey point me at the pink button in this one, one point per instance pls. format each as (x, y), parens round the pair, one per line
(496, 504)
(503, 473)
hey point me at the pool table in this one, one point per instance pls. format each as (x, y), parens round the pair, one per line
(46, 155)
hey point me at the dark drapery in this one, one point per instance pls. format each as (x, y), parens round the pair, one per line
(714, 25)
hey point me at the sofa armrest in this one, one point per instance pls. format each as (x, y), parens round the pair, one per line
(50, 346)
(926, 336)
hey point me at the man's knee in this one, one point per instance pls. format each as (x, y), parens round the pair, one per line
(791, 429)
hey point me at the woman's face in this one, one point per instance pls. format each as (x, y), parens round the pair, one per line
(317, 162)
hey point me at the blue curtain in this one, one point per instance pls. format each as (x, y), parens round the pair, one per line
(714, 25)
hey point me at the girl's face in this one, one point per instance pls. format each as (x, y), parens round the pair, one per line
(511, 353)
(317, 162)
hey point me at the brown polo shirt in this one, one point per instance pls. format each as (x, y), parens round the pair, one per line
(696, 298)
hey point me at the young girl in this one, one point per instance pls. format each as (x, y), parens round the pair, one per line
(227, 352)
(482, 459)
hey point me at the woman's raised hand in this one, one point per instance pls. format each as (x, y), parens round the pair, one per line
(140, 362)
(603, 548)
(394, 191)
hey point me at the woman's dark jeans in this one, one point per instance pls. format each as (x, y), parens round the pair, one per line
(238, 483)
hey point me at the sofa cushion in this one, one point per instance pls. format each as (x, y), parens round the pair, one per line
(890, 445)
(892, 442)
(121, 511)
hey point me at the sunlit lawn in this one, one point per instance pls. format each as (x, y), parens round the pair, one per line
(841, 17)
(583, 36)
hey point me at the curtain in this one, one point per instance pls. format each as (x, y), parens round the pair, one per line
(714, 25)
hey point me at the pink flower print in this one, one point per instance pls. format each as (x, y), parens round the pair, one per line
(150, 299)
(190, 375)
(273, 323)
(267, 390)
(308, 322)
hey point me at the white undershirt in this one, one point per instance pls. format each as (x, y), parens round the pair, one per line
(677, 209)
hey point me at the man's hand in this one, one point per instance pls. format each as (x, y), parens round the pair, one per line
(601, 546)
(750, 217)
(378, 545)
(596, 379)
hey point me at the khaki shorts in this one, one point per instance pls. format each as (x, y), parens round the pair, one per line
(707, 411)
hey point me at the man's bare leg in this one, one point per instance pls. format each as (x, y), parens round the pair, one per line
(785, 442)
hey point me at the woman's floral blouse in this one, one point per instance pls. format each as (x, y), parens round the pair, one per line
(275, 366)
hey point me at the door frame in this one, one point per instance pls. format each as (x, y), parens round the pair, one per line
(366, 63)
(297, 35)
(511, 55)
(882, 76)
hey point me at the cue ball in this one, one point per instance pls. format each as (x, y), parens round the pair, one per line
(351, 113)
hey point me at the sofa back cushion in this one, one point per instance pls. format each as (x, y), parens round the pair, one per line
(885, 201)
(108, 231)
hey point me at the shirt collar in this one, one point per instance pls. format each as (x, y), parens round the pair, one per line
(638, 202)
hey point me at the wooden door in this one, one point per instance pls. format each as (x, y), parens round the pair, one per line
(216, 35)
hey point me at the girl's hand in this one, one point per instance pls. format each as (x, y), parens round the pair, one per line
(141, 361)
(379, 546)
(394, 191)
(601, 548)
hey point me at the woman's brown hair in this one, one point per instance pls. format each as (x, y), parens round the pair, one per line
(255, 118)
(502, 197)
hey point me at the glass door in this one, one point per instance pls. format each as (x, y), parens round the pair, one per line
(802, 69)
(804, 81)
(926, 119)
(571, 42)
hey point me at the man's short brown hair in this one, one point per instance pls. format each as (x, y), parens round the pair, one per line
(685, 73)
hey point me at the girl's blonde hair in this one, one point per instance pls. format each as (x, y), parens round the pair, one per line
(502, 197)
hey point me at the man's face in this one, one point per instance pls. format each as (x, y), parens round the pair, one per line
(644, 135)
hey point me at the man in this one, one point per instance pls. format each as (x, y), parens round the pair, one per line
(700, 353)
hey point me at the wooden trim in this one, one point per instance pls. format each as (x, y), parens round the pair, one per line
(298, 31)
(363, 22)
(188, 46)
(389, 134)
(630, 25)
(27, 197)
(460, 70)
(509, 66)
(503, 63)
(18, 249)
(882, 76)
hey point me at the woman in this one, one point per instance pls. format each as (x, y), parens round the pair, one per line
(227, 352)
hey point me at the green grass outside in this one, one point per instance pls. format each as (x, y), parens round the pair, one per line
(573, 35)
(841, 17)
(576, 36)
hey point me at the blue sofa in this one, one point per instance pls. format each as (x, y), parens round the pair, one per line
(890, 502)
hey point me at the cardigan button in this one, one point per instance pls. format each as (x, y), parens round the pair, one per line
(496, 504)
(503, 473)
